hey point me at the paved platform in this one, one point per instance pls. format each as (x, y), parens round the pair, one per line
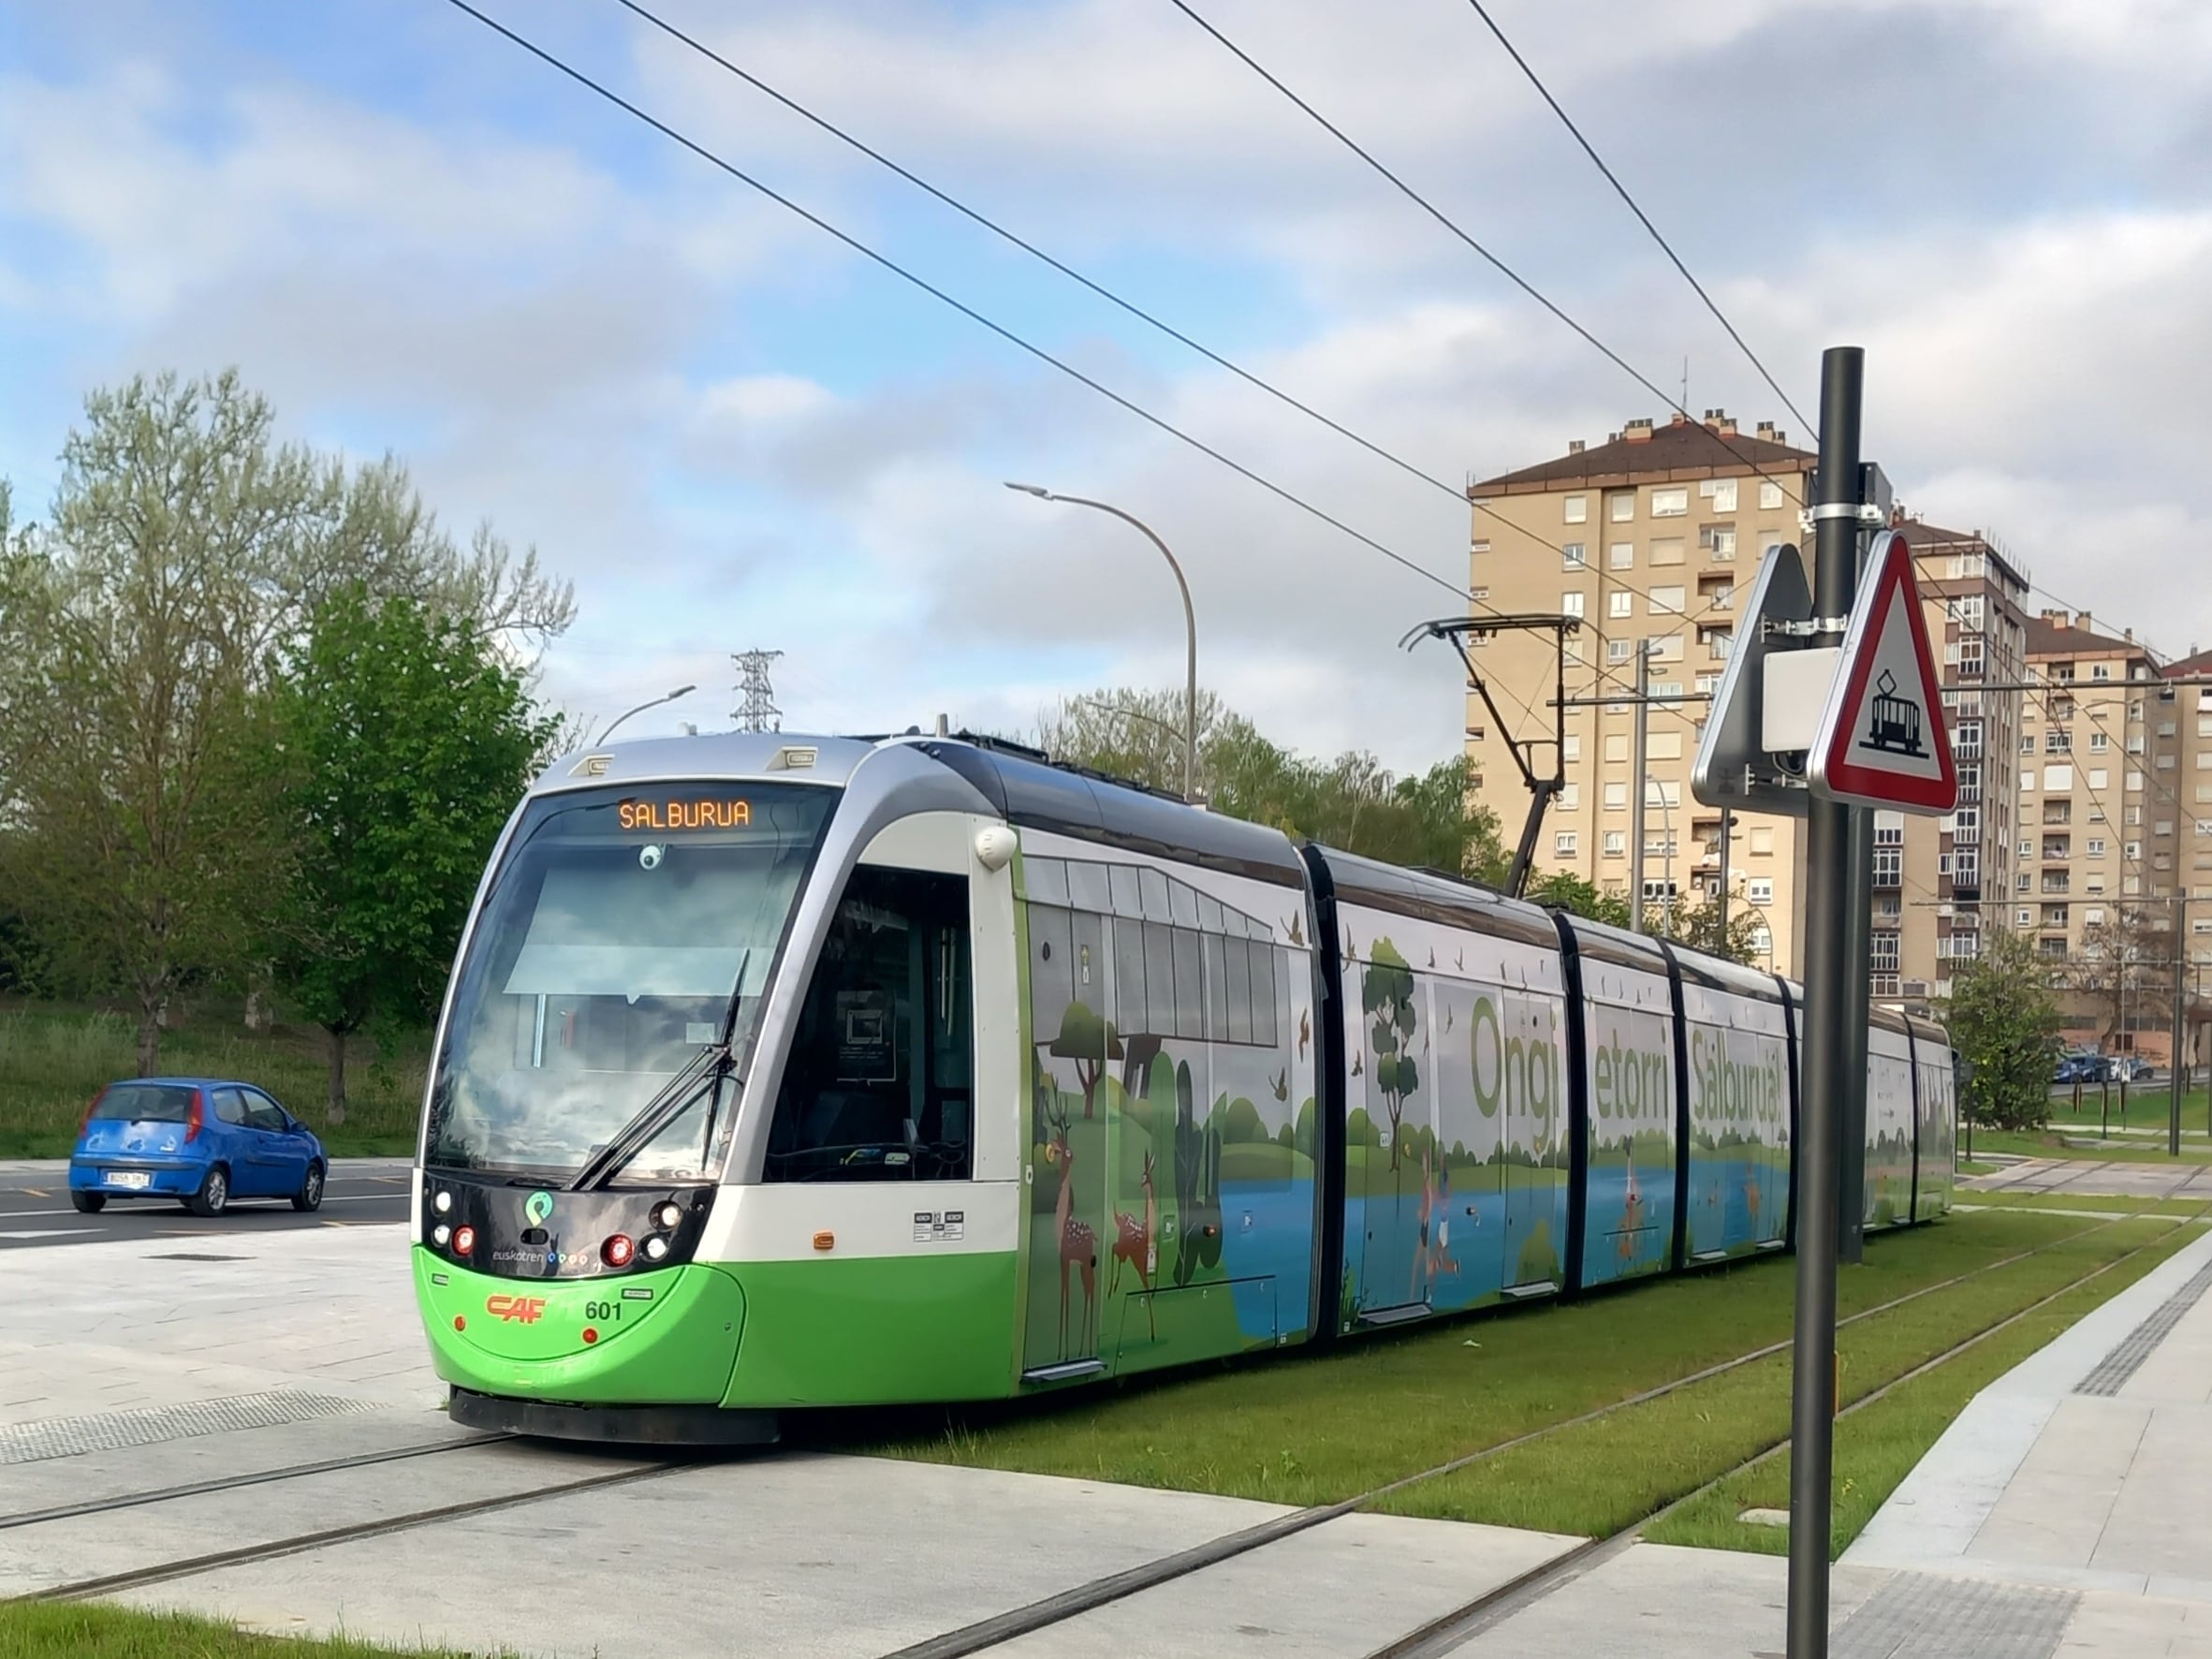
(2109, 1177)
(2069, 1512)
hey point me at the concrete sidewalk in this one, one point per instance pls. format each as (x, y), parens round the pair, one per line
(2051, 1519)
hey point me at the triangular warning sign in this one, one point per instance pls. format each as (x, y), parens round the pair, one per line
(1881, 738)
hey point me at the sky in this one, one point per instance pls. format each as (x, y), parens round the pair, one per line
(730, 431)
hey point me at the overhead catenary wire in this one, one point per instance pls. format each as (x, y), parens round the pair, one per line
(1642, 217)
(1458, 232)
(942, 297)
(1148, 317)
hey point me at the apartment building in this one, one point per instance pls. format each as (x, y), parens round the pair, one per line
(1935, 880)
(1646, 538)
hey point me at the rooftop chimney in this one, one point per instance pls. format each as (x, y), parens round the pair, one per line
(1678, 419)
(1573, 446)
(2080, 620)
(1780, 437)
(1638, 432)
(1765, 430)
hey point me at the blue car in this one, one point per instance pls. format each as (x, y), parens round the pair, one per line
(197, 1142)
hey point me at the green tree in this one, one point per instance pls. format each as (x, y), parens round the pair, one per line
(404, 741)
(1560, 890)
(140, 630)
(1697, 923)
(1386, 995)
(1090, 1042)
(1351, 803)
(2004, 1025)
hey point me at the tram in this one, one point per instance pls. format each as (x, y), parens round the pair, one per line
(778, 1074)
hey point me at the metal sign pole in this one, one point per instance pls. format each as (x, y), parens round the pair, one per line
(1827, 1049)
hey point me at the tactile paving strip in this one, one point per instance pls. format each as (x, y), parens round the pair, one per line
(1922, 1616)
(2128, 1355)
(112, 1431)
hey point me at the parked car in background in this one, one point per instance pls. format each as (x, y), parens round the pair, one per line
(197, 1142)
(2078, 1068)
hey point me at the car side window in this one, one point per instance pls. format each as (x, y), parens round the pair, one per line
(230, 1106)
(263, 1112)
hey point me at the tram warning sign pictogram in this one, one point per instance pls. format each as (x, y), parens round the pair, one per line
(1882, 740)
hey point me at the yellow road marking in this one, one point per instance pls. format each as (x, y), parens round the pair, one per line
(38, 1192)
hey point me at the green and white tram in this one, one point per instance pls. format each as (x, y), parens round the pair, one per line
(782, 1072)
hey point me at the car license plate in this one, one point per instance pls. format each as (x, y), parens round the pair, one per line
(132, 1178)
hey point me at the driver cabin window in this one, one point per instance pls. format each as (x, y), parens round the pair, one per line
(880, 1082)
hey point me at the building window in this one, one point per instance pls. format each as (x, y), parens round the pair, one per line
(1621, 507)
(2057, 740)
(1570, 603)
(1572, 748)
(1578, 509)
(1969, 657)
(1969, 611)
(1760, 890)
(1666, 550)
(2100, 671)
(1963, 566)
(1621, 602)
(1718, 540)
(2023, 919)
(1616, 798)
(1762, 940)
(1666, 648)
(1886, 952)
(2027, 744)
(1670, 504)
(1618, 651)
(1616, 747)
(2131, 849)
(2099, 743)
(2099, 777)
(1716, 640)
(1569, 797)
(1770, 494)
(1575, 555)
(1666, 601)
(1620, 555)
(1889, 866)
(1565, 843)
(2095, 846)
(1762, 840)
(1664, 745)
(1721, 493)
(1615, 843)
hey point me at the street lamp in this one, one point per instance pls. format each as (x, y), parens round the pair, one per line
(1666, 818)
(1190, 625)
(656, 702)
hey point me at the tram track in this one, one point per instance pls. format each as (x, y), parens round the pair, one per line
(1459, 1624)
(199, 1489)
(1450, 1629)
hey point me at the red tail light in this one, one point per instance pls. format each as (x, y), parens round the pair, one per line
(92, 1107)
(193, 1121)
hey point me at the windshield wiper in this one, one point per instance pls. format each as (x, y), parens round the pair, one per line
(703, 1070)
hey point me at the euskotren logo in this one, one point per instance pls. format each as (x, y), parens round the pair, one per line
(538, 1208)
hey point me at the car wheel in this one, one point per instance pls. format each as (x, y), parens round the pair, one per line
(214, 1193)
(309, 1195)
(88, 1203)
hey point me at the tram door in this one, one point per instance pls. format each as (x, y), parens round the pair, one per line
(1078, 1049)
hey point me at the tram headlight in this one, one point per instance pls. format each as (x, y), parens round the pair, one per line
(442, 1203)
(667, 1216)
(656, 1248)
(439, 1234)
(617, 1251)
(465, 1241)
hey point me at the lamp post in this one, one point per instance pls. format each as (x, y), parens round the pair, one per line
(1190, 623)
(655, 703)
(1653, 787)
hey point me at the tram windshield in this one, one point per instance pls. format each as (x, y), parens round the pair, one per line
(622, 928)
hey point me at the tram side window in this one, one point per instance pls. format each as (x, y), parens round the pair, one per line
(880, 1082)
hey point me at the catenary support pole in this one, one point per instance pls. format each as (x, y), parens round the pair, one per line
(2180, 1015)
(1636, 789)
(1858, 915)
(1727, 828)
(1827, 1000)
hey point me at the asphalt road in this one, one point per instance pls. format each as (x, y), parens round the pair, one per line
(35, 1210)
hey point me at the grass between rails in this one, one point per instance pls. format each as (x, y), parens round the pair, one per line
(32, 1630)
(53, 1061)
(1596, 1478)
(1877, 1448)
(1315, 1428)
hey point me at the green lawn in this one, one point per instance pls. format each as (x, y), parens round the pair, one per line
(2148, 1106)
(1876, 1448)
(1315, 1428)
(53, 1061)
(34, 1630)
